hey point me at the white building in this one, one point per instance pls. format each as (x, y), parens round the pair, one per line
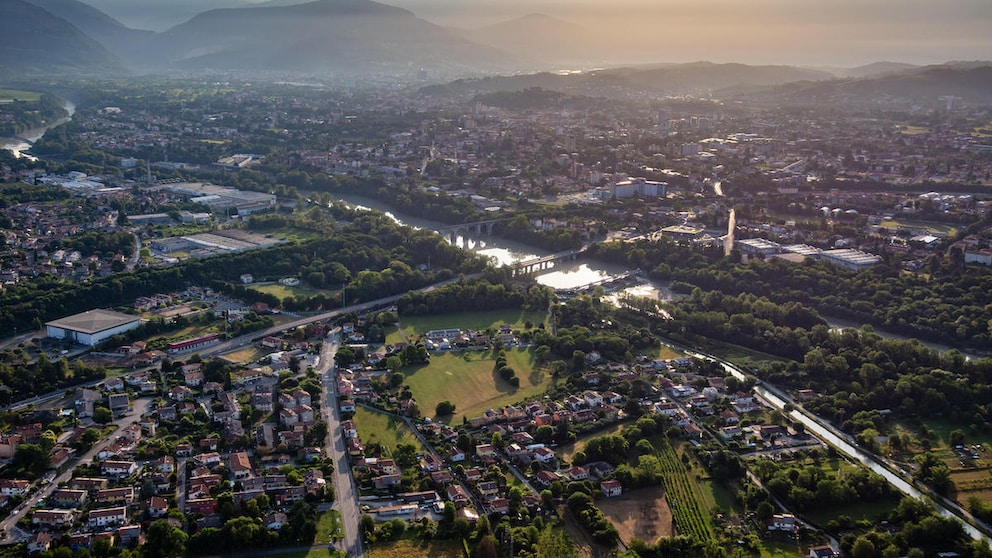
(92, 327)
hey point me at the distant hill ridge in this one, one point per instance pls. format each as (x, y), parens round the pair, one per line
(33, 40)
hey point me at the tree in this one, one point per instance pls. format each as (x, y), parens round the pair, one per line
(394, 363)
(864, 548)
(48, 440)
(554, 544)
(102, 415)
(31, 458)
(164, 541)
(444, 408)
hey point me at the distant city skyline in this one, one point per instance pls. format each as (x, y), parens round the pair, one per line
(798, 32)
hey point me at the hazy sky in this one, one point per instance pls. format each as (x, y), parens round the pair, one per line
(812, 32)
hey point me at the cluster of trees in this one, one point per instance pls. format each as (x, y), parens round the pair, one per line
(922, 305)
(804, 487)
(922, 533)
(504, 370)
(520, 229)
(857, 370)
(43, 375)
(104, 244)
(247, 532)
(493, 291)
(592, 519)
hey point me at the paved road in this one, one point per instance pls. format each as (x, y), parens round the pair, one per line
(345, 492)
(140, 408)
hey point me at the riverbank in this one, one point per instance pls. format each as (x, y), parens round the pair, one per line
(20, 144)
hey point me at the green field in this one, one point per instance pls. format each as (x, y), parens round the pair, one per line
(417, 325)
(245, 355)
(12, 94)
(282, 291)
(932, 228)
(469, 381)
(409, 547)
(329, 527)
(739, 355)
(383, 429)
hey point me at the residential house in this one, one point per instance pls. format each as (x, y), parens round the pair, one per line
(240, 465)
(55, 518)
(14, 487)
(457, 496)
(106, 517)
(68, 498)
(157, 506)
(118, 468)
(119, 496)
(782, 522)
(611, 488)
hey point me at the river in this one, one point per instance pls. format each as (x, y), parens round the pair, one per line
(22, 143)
(569, 275)
(564, 275)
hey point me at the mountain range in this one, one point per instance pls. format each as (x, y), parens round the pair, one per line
(364, 38)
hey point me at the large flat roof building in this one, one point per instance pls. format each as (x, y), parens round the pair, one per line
(92, 327)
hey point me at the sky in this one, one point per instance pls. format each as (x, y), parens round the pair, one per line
(802, 32)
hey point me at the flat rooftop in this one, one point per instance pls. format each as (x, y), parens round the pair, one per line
(93, 321)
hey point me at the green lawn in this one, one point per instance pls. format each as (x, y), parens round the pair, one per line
(739, 355)
(468, 379)
(944, 228)
(417, 325)
(11, 94)
(282, 291)
(384, 429)
(329, 527)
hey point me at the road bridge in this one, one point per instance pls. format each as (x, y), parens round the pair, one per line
(464, 230)
(537, 264)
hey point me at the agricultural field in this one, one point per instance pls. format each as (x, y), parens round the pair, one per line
(413, 326)
(684, 495)
(407, 547)
(642, 513)
(469, 380)
(383, 429)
